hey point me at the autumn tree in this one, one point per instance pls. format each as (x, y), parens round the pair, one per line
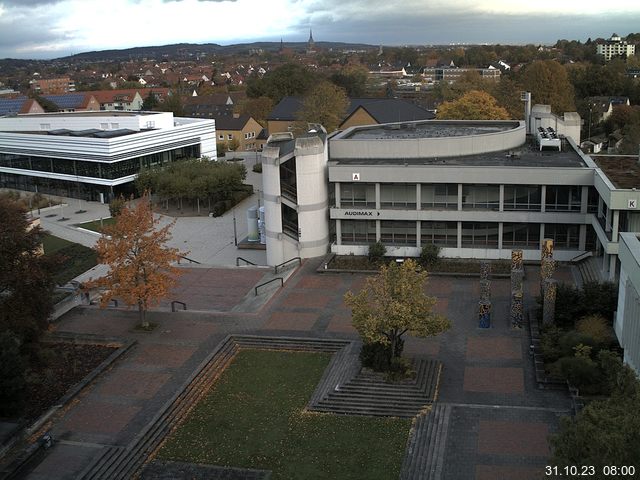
(325, 104)
(393, 303)
(287, 80)
(549, 84)
(258, 108)
(141, 266)
(473, 105)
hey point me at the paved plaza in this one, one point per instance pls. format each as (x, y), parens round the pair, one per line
(499, 419)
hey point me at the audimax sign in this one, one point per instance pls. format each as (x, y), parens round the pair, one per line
(361, 213)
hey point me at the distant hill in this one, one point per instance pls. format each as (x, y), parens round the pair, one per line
(193, 49)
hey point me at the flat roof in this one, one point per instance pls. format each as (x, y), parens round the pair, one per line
(622, 170)
(88, 133)
(430, 129)
(526, 155)
(97, 113)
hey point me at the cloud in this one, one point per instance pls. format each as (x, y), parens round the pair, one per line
(26, 3)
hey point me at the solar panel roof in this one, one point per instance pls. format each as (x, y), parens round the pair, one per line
(73, 100)
(11, 105)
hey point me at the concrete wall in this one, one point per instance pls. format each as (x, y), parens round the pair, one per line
(82, 121)
(627, 321)
(567, 125)
(272, 206)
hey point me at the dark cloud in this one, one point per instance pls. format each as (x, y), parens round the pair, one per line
(18, 39)
(27, 3)
(212, 1)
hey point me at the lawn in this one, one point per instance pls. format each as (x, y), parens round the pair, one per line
(75, 259)
(96, 225)
(254, 418)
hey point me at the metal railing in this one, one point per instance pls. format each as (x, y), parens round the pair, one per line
(176, 302)
(248, 262)
(189, 259)
(581, 257)
(267, 283)
(275, 269)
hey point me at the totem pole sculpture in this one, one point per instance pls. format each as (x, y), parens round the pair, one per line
(548, 286)
(484, 305)
(517, 278)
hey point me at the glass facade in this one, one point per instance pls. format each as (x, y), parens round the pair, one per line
(358, 232)
(563, 198)
(358, 195)
(441, 196)
(443, 234)
(564, 236)
(521, 235)
(480, 197)
(398, 195)
(479, 235)
(522, 197)
(398, 232)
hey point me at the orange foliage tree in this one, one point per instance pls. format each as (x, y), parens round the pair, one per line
(141, 266)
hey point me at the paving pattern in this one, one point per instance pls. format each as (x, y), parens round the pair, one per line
(490, 420)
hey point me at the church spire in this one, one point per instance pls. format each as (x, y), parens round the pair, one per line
(311, 42)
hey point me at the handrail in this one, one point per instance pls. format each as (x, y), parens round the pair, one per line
(275, 269)
(266, 283)
(581, 256)
(115, 302)
(173, 305)
(244, 260)
(189, 259)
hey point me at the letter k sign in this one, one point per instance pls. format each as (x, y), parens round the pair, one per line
(632, 203)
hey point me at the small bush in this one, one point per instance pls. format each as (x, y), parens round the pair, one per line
(550, 343)
(581, 372)
(596, 327)
(400, 369)
(257, 168)
(377, 356)
(570, 340)
(116, 205)
(429, 255)
(377, 251)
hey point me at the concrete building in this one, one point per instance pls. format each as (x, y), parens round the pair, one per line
(123, 99)
(627, 322)
(95, 155)
(615, 47)
(52, 86)
(240, 129)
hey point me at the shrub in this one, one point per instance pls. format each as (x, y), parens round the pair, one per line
(600, 298)
(581, 372)
(257, 168)
(429, 255)
(596, 327)
(377, 252)
(12, 374)
(400, 369)
(570, 340)
(550, 343)
(116, 205)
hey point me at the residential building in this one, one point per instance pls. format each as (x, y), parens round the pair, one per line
(361, 111)
(52, 86)
(209, 106)
(124, 99)
(95, 155)
(20, 104)
(615, 47)
(601, 108)
(451, 74)
(74, 102)
(242, 129)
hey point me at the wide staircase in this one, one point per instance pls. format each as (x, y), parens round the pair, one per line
(589, 269)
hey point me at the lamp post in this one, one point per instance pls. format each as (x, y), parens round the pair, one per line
(590, 110)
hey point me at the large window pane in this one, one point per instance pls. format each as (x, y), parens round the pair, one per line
(563, 198)
(358, 232)
(521, 235)
(398, 232)
(439, 196)
(479, 235)
(522, 197)
(564, 236)
(358, 195)
(480, 197)
(443, 234)
(398, 195)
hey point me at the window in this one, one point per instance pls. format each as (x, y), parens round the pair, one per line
(521, 235)
(592, 200)
(479, 235)
(439, 196)
(563, 198)
(398, 195)
(115, 126)
(230, 136)
(564, 236)
(398, 232)
(104, 126)
(358, 232)
(522, 197)
(220, 137)
(45, 126)
(358, 195)
(480, 197)
(443, 234)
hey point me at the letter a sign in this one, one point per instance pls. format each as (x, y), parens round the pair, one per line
(355, 177)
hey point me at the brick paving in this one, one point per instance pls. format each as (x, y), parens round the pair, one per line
(487, 377)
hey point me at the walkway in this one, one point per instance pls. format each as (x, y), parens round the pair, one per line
(497, 421)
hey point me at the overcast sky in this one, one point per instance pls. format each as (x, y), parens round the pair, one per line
(54, 28)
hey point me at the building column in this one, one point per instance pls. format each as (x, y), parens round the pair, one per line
(338, 232)
(612, 267)
(378, 203)
(541, 235)
(459, 234)
(543, 201)
(582, 238)
(377, 230)
(501, 201)
(418, 239)
(337, 193)
(584, 199)
(607, 221)
(616, 225)
(459, 197)
(418, 196)
(600, 203)
(500, 231)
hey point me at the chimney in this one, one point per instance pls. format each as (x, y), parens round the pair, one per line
(236, 115)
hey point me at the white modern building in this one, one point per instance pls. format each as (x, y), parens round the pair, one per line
(615, 47)
(627, 322)
(95, 155)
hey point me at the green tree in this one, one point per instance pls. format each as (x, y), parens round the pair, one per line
(26, 282)
(12, 374)
(174, 104)
(288, 80)
(150, 102)
(258, 108)
(473, 105)
(393, 303)
(325, 104)
(352, 79)
(549, 84)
